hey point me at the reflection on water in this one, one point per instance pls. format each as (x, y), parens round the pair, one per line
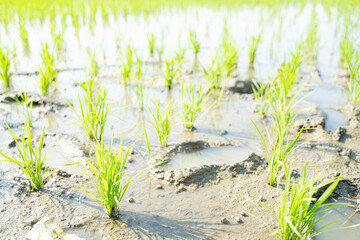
(334, 119)
(326, 97)
(347, 224)
(57, 158)
(209, 156)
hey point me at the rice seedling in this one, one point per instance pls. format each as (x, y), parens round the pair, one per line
(217, 96)
(262, 93)
(281, 96)
(110, 179)
(254, 43)
(129, 55)
(279, 147)
(125, 70)
(25, 107)
(57, 37)
(192, 104)
(93, 112)
(126, 66)
(195, 44)
(118, 42)
(88, 84)
(24, 35)
(230, 60)
(288, 73)
(180, 57)
(230, 54)
(94, 65)
(48, 72)
(213, 73)
(162, 122)
(170, 72)
(298, 208)
(347, 46)
(160, 52)
(139, 68)
(353, 85)
(33, 160)
(151, 42)
(139, 90)
(6, 60)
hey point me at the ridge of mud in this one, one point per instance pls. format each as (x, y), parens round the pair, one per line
(205, 174)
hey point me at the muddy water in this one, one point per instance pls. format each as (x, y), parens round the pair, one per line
(219, 155)
(242, 24)
(346, 225)
(162, 213)
(57, 158)
(327, 98)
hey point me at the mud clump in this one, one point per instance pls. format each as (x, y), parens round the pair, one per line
(336, 135)
(205, 174)
(44, 104)
(37, 100)
(241, 86)
(348, 188)
(166, 154)
(47, 229)
(354, 116)
(311, 119)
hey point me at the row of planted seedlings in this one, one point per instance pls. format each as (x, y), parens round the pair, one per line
(109, 169)
(110, 179)
(48, 67)
(57, 28)
(298, 210)
(93, 115)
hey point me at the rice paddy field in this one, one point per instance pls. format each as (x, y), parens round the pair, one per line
(179, 119)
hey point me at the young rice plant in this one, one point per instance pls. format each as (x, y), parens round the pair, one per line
(195, 44)
(254, 43)
(110, 179)
(213, 73)
(170, 72)
(298, 209)
(151, 42)
(161, 122)
(93, 113)
(192, 104)
(6, 59)
(33, 160)
(48, 71)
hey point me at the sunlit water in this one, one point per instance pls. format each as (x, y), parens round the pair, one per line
(209, 156)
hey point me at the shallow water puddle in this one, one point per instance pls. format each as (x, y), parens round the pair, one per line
(347, 224)
(325, 95)
(57, 159)
(209, 156)
(334, 119)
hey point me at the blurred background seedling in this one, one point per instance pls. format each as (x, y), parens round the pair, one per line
(151, 43)
(192, 104)
(253, 47)
(48, 71)
(214, 73)
(7, 58)
(170, 72)
(162, 121)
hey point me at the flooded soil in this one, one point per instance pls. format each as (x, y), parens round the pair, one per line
(207, 183)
